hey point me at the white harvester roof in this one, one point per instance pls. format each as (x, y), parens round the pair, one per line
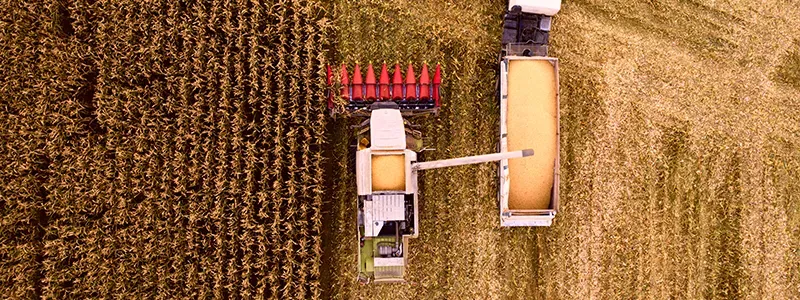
(386, 130)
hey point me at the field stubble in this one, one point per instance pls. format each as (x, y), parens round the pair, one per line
(680, 155)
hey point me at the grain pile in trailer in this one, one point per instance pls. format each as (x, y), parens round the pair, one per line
(532, 124)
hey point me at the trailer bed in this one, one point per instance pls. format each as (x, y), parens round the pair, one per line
(529, 120)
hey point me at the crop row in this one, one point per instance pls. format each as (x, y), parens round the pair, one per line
(164, 149)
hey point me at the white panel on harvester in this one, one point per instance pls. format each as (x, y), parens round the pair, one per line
(388, 261)
(380, 209)
(389, 207)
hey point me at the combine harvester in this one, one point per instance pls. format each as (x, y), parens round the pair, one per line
(387, 142)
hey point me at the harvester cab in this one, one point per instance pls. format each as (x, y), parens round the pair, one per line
(387, 143)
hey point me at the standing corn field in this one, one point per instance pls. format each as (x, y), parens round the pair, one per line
(162, 149)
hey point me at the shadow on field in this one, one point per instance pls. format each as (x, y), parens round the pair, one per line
(727, 243)
(61, 21)
(534, 252)
(788, 71)
(337, 183)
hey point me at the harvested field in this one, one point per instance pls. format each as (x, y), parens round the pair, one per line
(155, 149)
(680, 159)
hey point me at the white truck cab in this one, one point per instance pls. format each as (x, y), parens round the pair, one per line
(542, 7)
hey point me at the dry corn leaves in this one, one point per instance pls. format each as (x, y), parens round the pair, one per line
(162, 149)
